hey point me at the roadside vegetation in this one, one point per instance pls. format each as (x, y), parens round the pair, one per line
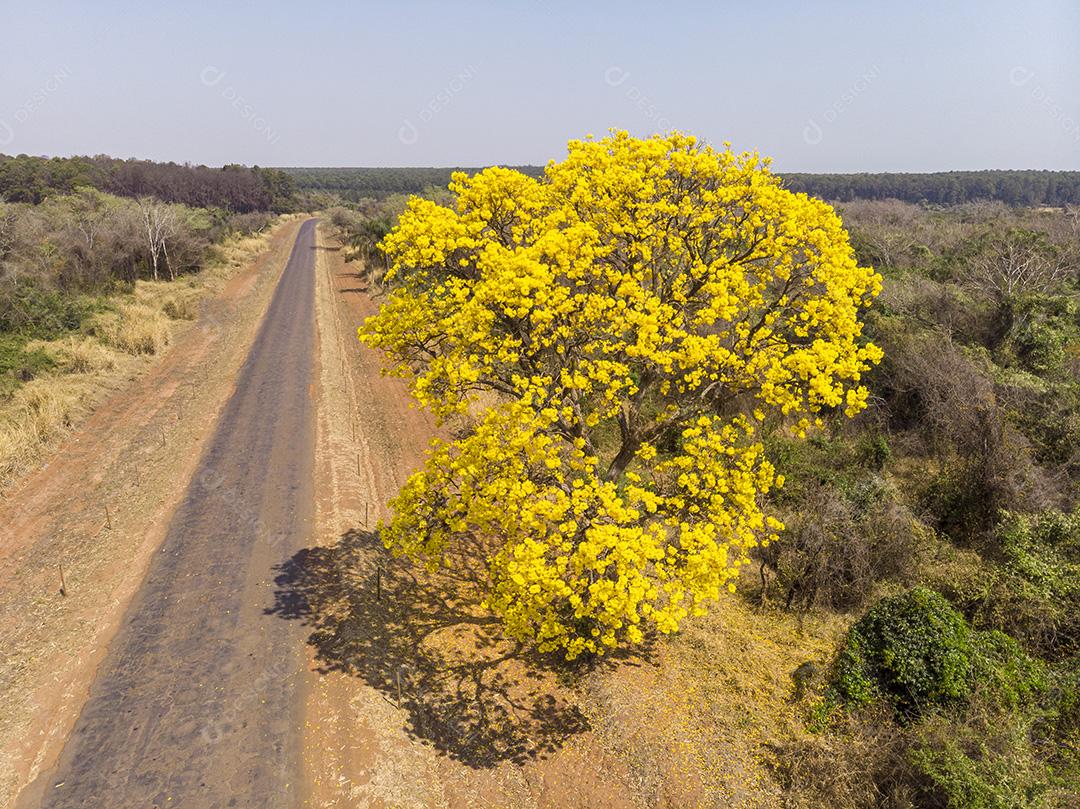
(919, 606)
(90, 281)
(234, 188)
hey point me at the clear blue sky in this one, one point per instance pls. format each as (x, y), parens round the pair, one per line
(820, 86)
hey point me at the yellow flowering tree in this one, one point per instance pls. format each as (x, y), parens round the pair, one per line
(618, 329)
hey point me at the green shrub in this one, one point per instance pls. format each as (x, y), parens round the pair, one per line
(917, 651)
(1036, 594)
(1041, 347)
(996, 755)
(875, 451)
(1063, 724)
(20, 364)
(34, 311)
(913, 650)
(1044, 324)
(1003, 672)
(985, 762)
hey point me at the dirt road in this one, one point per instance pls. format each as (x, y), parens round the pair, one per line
(199, 699)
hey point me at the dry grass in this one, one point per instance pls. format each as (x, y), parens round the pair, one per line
(862, 762)
(37, 412)
(178, 300)
(87, 365)
(78, 354)
(706, 723)
(134, 328)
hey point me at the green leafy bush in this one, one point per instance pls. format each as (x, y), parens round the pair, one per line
(32, 311)
(1044, 325)
(984, 762)
(19, 363)
(875, 450)
(913, 650)
(1003, 672)
(1064, 722)
(1035, 594)
(916, 651)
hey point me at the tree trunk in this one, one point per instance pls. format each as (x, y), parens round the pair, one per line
(622, 460)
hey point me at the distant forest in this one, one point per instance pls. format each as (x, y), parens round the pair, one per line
(1024, 188)
(233, 188)
(241, 189)
(355, 184)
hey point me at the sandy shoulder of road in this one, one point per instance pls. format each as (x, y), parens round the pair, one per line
(100, 507)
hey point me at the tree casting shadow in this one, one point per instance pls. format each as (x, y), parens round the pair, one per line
(420, 639)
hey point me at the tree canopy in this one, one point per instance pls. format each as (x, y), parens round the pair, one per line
(617, 331)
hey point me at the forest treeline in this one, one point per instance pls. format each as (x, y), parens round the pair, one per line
(1022, 188)
(355, 184)
(234, 188)
(282, 190)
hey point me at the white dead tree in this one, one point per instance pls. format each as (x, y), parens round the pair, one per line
(159, 220)
(1016, 267)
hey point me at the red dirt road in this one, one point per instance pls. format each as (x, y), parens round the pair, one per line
(199, 701)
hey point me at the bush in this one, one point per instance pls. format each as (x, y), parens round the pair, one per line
(841, 540)
(983, 762)
(998, 754)
(913, 650)
(1036, 592)
(77, 354)
(1062, 724)
(19, 362)
(875, 451)
(30, 310)
(247, 224)
(1041, 347)
(864, 762)
(1003, 673)
(1042, 327)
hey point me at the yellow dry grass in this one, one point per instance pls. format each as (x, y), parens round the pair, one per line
(134, 328)
(77, 354)
(37, 412)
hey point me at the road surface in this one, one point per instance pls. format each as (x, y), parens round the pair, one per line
(198, 702)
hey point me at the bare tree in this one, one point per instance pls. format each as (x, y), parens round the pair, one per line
(1015, 265)
(1072, 216)
(159, 220)
(886, 229)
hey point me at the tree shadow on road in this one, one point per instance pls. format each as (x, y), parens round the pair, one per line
(421, 639)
